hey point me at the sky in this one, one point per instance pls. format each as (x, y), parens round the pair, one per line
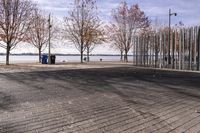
(188, 12)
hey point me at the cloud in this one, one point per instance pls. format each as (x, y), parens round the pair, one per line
(187, 10)
(58, 8)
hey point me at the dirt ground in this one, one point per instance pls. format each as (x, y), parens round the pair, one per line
(97, 98)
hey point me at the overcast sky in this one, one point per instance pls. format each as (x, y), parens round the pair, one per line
(188, 12)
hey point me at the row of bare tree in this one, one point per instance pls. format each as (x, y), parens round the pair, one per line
(23, 21)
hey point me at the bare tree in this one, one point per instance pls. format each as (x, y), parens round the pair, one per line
(15, 20)
(128, 22)
(79, 22)
(95, 36)
(38, 33)
(116, 39)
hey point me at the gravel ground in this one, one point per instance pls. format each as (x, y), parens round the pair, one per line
(98, 98)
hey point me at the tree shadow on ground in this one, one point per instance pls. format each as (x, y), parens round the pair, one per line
(5, 101)
(97, 80)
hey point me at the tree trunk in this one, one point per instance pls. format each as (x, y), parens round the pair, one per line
(88, 54)
(39, 52)
(8, 54)
(81, 56)
(121, 53)
(81, 52)
(126, 56)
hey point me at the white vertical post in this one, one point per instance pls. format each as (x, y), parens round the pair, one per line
(133, 47)
(191, 46)
(195, 45)
(164, 46)
(180, 43)
(175, 48)
(184, 40)
(160, 55)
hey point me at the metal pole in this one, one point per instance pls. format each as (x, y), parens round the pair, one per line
(169, 59)
(49, 54)
(198, 48)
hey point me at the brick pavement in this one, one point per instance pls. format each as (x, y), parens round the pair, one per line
(104, 100)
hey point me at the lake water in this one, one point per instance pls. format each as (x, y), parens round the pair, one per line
(34, 58)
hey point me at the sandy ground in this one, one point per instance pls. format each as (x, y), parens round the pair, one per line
(97, 98)
(29, 67)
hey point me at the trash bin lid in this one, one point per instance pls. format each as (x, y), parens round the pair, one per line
(44, 55)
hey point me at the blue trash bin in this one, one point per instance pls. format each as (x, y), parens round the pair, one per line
(44, 59)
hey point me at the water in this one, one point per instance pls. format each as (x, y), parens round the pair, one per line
(34, 58)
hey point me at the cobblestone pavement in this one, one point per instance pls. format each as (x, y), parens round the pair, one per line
(104, 100)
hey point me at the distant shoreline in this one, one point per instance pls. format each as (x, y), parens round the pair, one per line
(30, 54)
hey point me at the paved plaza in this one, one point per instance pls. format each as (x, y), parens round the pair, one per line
(100, 100)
